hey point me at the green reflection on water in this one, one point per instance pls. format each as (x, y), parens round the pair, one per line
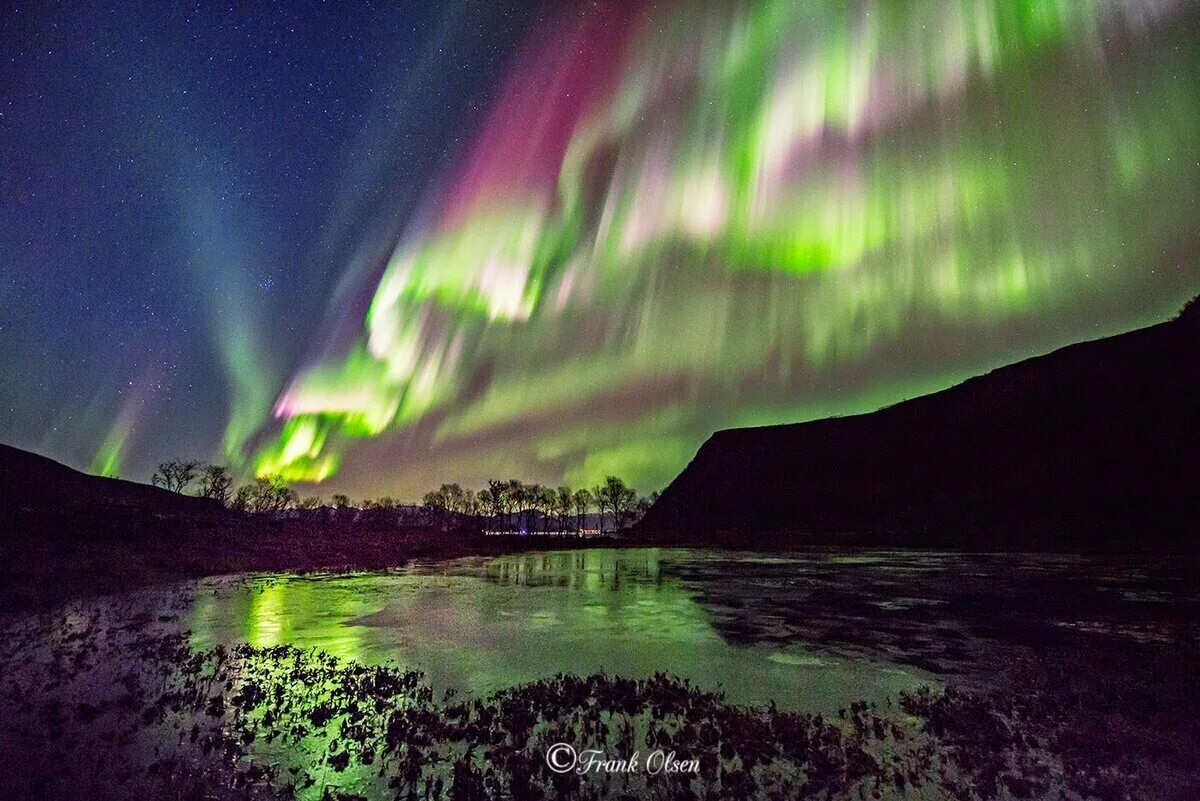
(482, 625)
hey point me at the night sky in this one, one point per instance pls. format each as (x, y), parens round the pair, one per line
(389, 246)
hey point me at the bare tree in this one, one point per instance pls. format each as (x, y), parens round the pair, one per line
(540, 499)
(613, 495)
(175, 475)
(241, 498)
(456, 498)
(434, 500)
(641, 507)
(471, 503)
(341, 501)
(268, 494)
(601, 506)
(582, 501)
(563, 501)
(514, 497)
(215, 483)
(438, 503)
(491, 501)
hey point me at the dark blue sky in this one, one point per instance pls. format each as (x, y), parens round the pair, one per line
(172, 177)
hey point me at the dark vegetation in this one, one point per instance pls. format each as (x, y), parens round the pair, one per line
(1092, 447)
(510, 505)
(274, 722)
(67, 534)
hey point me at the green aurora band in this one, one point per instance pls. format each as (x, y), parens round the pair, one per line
(714, 214)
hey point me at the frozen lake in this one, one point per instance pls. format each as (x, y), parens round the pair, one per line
(202, 682)
(807, 631)
(481, 625)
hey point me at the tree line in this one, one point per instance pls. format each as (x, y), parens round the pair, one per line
(515, 505)
(267, 494)
(506, 504)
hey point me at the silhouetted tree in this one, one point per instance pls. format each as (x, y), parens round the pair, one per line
(435, 499)
(514, 497)
(442, 501)
(492, 500)
(458, 498)
(309, 503)
(386, 503)
(341, 501)
(241, 498)
(641, 507)
(215, 483)
(175, 475)
(268, 494)
(614, 496)
(471, 503)
(582, 501)
(563, 501)
(454, 496)
(541, 499)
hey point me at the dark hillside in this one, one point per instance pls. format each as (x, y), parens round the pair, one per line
(1094, 446)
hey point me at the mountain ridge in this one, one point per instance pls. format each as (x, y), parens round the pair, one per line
(1066, 450)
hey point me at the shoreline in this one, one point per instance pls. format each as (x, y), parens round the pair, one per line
(247, 722)
(51, 559)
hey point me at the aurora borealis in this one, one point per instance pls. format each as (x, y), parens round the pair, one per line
(671, 218)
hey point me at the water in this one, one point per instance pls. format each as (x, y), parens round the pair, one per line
(107, 693)
(808, 631)
(476, 626)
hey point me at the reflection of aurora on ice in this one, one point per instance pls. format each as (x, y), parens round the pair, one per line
(696, 217)
(480, 626)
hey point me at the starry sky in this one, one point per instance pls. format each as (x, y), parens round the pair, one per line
(382, 247)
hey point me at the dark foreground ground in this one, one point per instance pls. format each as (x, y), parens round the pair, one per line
(45, 561)
(100, 703)
(100, 706)
(65, 535)
(109, 699)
